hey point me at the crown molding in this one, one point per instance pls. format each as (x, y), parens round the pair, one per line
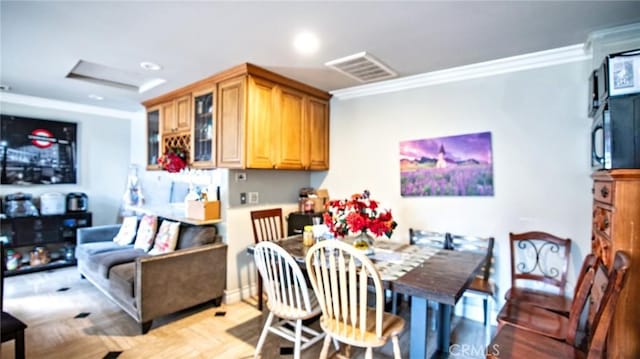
(66, 106)
(629, 31)
(533, 60)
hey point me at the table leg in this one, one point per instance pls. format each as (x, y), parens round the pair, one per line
(418, 328)
(444, 327)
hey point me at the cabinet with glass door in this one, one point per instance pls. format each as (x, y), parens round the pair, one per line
(153, 137)
(204, 129)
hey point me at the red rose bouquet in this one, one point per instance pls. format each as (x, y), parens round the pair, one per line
(174, 159)
(360, 214)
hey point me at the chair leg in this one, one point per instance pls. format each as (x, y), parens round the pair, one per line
(485, 305)
(369, 353)
(325, 347)
(396, 347)
(145, 326)
(464, 306)
(394, 302)
(263, 335)
(487, 324)
(434, 309)
(19, 344)
(298, 338)
(259, 292)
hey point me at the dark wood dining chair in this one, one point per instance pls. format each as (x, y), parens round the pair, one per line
(267, 226)
(514, 342)
(549, 323)
(482, 285)
(424, 238)
(11, 328)
(539, 259)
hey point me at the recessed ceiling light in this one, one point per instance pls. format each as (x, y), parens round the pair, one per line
(96, 97)
(306, 43)
(150, 66)
(5, 87)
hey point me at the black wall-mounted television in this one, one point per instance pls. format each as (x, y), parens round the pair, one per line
(37, 151)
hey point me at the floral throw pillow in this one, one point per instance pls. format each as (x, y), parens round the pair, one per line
(166, 238)
(127, 231)
(146, 232)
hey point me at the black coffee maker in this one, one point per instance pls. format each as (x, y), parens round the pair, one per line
(77, 202)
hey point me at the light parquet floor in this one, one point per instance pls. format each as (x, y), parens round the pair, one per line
(41, 301)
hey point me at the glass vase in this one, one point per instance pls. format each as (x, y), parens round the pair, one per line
(363, 241)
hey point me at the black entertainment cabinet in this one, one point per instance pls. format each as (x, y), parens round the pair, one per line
(56, 233)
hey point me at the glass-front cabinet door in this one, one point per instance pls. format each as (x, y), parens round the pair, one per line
(204, 129)
(153, 137)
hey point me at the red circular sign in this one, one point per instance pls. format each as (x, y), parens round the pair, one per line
(40, 137)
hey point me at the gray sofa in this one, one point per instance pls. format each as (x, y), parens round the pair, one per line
(147, 287)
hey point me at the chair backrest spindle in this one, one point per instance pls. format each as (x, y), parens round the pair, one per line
(539, 257)
(267, 224)
(340, 276)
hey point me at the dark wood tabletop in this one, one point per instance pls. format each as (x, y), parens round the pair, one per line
(442, 278)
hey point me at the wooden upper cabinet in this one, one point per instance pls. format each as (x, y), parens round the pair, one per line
(167, 117)
(204, 128)
(176, 115)
(183, 113)
(261, 132)
(258, 119)
(318, 124)
(292, 130)
(153, 137)
(231, 123)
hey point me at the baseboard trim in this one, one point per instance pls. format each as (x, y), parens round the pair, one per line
(239, 294)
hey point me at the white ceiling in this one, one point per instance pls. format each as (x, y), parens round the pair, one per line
(42, 41)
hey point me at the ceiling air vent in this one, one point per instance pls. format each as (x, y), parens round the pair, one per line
(109, 76)
(362, 67)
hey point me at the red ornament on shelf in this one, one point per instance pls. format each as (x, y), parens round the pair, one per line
(174, 159)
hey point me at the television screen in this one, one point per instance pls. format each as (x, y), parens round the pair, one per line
(36, 151)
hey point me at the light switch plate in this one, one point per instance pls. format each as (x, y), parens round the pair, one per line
(253, 198)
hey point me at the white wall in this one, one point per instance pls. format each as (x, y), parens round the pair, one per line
(103, 157)
(241, 271)
(540, 133)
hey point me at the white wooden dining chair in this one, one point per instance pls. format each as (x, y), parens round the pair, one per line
(289, 298)
(340, 275)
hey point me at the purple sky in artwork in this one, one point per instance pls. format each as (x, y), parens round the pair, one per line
(470, 146)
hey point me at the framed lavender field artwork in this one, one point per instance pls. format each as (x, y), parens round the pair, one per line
(447, 166)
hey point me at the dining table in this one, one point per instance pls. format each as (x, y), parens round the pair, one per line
(424, 273)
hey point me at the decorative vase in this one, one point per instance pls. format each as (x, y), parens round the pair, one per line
(363, 241)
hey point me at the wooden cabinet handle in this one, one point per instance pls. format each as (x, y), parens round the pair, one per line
(604, 191)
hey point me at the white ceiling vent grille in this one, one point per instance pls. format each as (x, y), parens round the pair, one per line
(362, 67)
(109, 76)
